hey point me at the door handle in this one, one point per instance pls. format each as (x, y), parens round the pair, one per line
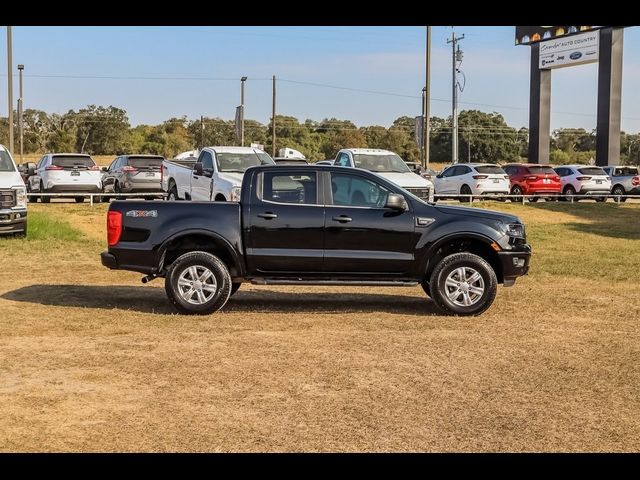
(342, 219)
(196, 177)
(268, 215)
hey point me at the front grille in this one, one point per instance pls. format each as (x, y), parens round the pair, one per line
(7, 198)
(422, 193)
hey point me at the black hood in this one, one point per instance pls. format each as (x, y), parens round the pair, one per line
(478, 212)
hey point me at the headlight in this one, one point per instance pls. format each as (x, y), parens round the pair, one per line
(515, 230)
(21, 197)
(235, 194)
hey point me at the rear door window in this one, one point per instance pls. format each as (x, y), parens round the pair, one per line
(289, 187)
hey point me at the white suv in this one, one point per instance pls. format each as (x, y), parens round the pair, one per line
(584, 180)
(388, 165)
(65, 173)
(481, 179)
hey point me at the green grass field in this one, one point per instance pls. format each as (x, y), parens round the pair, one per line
(95, 361)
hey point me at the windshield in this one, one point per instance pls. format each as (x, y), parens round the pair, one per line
(6, 164)
(592, 171)
(239, 162)
(381, 163)
(73, 161)
(142, 162)
(490, 169)
(542, 170)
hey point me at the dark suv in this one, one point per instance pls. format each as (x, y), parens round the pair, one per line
(133, 174)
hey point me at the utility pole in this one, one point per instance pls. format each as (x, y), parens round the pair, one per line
(242, 80)
(10, 87)
(469, 145)
(426, 122)
(273, 119)
(201, 132)
(454, 97)
(21, 116)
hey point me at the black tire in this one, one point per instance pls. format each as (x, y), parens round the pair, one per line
(619, 190)
(44, 199)
(198, 260)
(465, 190)
(173, 194)
(220, 198)
(569, 192)
(234, 288)
(601, 199)
(533, 199)
(22, 234)
(516, 190)
(79, 199)
(447, 267)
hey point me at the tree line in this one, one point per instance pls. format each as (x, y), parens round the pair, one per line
(483, 137)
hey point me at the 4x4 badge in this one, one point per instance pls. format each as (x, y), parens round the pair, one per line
(142, 213)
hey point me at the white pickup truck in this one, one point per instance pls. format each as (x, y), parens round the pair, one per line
(388, 165)
(13, 197)
(216, 174)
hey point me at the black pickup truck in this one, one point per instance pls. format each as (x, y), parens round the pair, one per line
(303, 225)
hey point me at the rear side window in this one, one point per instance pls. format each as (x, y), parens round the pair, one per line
(591, 171)
(141, 162)
(541, 170)
(73, 161)
(626, 171)
(490, 169)
(290, 188)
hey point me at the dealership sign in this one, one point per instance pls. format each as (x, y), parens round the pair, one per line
(571, 50)
(528, 35)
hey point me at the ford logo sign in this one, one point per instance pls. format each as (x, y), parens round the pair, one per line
(575, 55)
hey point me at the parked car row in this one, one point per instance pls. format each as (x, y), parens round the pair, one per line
(535, 181)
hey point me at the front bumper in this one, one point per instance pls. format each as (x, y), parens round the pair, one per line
(13, 221)
(514, 264)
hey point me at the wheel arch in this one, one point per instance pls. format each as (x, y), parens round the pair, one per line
(471, 242)
(200, 240)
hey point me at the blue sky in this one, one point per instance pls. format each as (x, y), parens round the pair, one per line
(196, 71)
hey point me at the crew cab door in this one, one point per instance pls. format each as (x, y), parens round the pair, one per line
(201, 185)
(286, 223)
(361, 235)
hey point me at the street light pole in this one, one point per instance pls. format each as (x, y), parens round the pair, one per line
(21, 116)
(242, 80)
(426, 123)
(10, 87)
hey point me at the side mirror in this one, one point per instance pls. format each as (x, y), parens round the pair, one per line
(197, 168)
(105, 169)
(31, 170)
(439, 175)
(396, 202)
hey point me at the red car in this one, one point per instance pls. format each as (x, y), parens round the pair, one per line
(532, 179)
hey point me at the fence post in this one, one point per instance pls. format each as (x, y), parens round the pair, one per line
(470, 200)
(91, 200)
(522, 199)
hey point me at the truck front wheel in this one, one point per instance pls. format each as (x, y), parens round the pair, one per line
(198, 283)
(463, 284)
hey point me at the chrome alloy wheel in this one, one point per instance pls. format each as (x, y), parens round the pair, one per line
(464, 286)
(197, 285)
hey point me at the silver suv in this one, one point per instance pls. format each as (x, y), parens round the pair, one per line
(134, 174)
(624, 180)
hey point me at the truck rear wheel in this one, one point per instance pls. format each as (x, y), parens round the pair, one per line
(463, 284)
(198, 283)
